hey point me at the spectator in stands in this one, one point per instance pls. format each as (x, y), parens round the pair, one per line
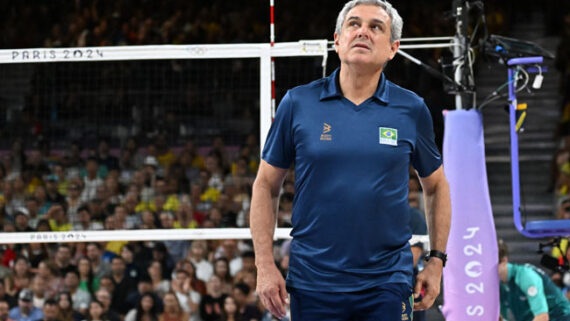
(22, 220)
(146, 309)
(50, 310)
(4, 311)
(39, 288)
(131, 268)
(63, 259)
(176, 249)
(528, 292)
(563, 212)
(197, 255)
(66, 311)
(106, 297)
(222, 270)
(25, 311)
(229, 251)
(230, 311)
(20, 277)
(95, 253)
(144, 285)
(160, 285)
(5, 296)
(33, 208)
(84, 222)
(52, 190)
(123, 283)
(58, 220)
(49, 271)
(104, 157)
(195, 283)
(212, 304)
(149, 220)
(188, 297)
(91, 180)
(41, 197)
(247, 311)
(87, 280)
(80, 298)
(73, 203)
(185, 216)
(96, 311)
(172, 309)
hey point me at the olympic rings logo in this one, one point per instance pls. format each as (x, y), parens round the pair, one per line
(196, 50)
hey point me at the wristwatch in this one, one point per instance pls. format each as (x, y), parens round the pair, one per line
(438, 254)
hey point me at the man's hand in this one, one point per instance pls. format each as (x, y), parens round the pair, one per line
(429, 279)
(271, 289)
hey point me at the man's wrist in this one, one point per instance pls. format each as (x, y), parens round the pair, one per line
(437, 255)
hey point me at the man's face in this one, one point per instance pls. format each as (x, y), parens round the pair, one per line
(63, 255)
(118, 267)
(71, 281)
(4, 311)
(25, 306)
(365, 37)
(93, 252)
(104, 297)
(50, 311)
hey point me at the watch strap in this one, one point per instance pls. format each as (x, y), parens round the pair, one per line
(438, 254)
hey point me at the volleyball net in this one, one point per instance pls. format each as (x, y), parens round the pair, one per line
(196, 92)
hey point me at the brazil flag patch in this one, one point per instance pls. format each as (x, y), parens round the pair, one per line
(388, 136)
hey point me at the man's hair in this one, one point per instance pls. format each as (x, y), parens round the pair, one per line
(243, 288)
(396, 22)
(503, 249)
(50, 301)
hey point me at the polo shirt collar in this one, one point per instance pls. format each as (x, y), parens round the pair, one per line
(331, 89)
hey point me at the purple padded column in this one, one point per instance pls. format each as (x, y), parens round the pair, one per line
(471, 280)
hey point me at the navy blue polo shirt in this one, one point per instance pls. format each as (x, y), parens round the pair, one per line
(350, 212)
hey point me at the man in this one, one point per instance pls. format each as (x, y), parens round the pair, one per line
(39, 288)
(91, 180)
(4, 311)
(84, 222)
(197, 255)
(80, 298)
(50, 310)
(95, 253)
(124, 285)
(104, 296)
(247, 311)
(352, 137)
(52, 190)
(25, 311)
(528, 292)
(22, 220)
(63, 259)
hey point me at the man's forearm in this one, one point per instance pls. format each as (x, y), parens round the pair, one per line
(438, 215)
(262, 223)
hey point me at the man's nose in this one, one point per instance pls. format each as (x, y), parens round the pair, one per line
(363, 32)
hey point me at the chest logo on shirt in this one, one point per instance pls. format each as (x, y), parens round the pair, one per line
(388, 136)
(326, 130)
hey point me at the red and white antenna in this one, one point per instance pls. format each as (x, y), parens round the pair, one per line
(272, 39)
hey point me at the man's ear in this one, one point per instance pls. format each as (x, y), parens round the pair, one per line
(336, 42)
(394, 48)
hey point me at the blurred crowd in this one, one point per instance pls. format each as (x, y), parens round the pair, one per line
(561, 162)
(143, 187)
(61, 23)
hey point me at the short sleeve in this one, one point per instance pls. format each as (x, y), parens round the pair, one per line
(279, 150)
(426, 158)
(531, 285)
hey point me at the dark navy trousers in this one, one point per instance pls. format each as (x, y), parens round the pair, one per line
(390, 302)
